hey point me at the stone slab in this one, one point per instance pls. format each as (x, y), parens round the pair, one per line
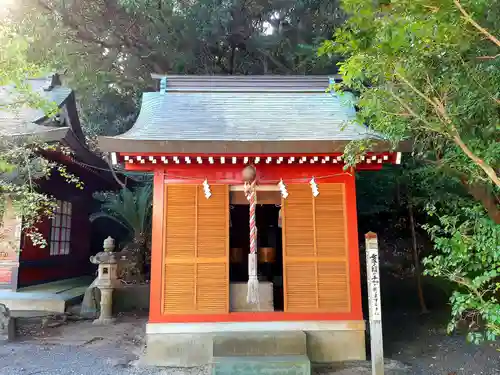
(33, 302)
(276, 365)
(195, 344)
(178, 350)
(257, 326)
(238, 297)
(259, 344)
(335, 346)
(53, 296)
(59, 286)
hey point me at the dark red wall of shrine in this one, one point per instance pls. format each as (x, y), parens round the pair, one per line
(36, 265)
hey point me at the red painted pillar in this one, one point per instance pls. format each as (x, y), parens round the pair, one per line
(352, 238)
(157, 241)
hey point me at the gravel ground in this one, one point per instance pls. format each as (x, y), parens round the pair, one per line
(422, 343)
(39, 359)
(83, 349)
(451, 356)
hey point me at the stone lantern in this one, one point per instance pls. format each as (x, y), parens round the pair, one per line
(107, 279)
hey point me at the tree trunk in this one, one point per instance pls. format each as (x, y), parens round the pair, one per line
(416, 258)
(482, 194)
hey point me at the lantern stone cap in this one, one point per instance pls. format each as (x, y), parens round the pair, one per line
(109, 244)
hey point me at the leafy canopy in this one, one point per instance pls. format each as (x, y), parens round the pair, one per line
(22, 160)
(108, 49)
(429, 71)
(424, 71)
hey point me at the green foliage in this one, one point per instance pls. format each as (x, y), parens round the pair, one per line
(468, 245)
(23, 165)
(130, 208)
(15, 68)
(424, 72)
(22, 161)
(429, 71)
(108, 60)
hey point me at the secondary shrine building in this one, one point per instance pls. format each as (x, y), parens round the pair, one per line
(197, 134)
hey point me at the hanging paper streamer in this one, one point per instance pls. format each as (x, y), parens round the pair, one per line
(206, 189)
(314, 187)
(282, 186)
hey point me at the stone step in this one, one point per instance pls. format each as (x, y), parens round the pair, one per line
(267, 365)
(259, 344)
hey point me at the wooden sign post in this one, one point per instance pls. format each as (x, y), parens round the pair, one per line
(373, 276)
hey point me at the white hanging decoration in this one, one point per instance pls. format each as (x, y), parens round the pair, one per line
(282, 186)
(206, 189)
(314, 187)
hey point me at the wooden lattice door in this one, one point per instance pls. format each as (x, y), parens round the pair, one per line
(315, 250)
(196, 250)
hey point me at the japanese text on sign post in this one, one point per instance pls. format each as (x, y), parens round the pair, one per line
(372, 265)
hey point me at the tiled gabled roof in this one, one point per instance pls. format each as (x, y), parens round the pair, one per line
(245, 117)
(25, 121)
(238, 110)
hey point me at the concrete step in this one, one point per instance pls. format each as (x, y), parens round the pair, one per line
(259, 344)
(275, 365)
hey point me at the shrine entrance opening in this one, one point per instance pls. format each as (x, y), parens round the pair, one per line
(270, 250)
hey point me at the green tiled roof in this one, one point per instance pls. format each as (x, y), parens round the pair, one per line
(247, 116)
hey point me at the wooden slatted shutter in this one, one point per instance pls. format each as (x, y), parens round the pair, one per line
(196, 252)
(315, 250)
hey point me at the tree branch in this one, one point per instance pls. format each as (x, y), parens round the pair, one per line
(441, 112)
(488, 169)
(489, 57)
(481, 29)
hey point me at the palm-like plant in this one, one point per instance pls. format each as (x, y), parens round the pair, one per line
(132, 210)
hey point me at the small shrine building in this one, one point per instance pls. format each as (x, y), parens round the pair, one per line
(69, 234)
(197, 134)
